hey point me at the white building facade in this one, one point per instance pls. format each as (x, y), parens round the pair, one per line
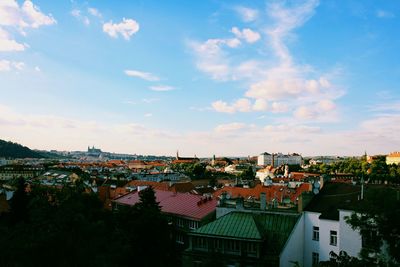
(279, 159)
(314, 238)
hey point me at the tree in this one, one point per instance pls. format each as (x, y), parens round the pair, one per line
(148, 200)
(19, 202)
(378, 220)
(247, 174)
(342, 259)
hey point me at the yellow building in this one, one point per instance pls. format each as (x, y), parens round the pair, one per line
(393, 158)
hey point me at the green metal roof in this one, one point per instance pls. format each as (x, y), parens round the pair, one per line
(272, 228)
(233, 225)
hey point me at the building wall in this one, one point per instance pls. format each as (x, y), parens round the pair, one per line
(324, 238)
(264, 160)
(279, 159)
(392, 160)
(293, 250)
(350, 240)
(310, 219)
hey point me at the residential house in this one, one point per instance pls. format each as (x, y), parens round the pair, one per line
(240, 239)
(186, 212)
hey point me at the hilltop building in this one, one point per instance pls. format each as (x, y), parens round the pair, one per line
(93, 152)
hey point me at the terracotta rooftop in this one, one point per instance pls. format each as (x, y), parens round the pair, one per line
(394, 154)
(274, 191)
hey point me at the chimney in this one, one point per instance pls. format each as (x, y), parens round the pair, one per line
(263, 201)
(239, 203)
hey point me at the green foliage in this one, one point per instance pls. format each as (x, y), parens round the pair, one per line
(19, 202)
(147, 199)
(378, 170)
(68, 227)
(378, 219)
(248, 174)
(195, 171)
(14, 150)
(342, 260)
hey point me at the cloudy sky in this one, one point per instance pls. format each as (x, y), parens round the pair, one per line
(202, 77)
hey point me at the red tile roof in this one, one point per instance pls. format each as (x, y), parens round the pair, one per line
(156, 185)
(270, 191)
(181, 204)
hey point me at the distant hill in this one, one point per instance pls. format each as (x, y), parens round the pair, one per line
(14, 150)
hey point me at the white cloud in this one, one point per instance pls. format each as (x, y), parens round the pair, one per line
(6, 65)
(26, 16)
(377, 135)
(126, 28)
(35, 17)
(384, 14)
(247, 14)
(147, 115)
(7, 44)
(161, 88)
(230, 127)
(37, 69)
(246, 34)
(150, 100)
(78, 15)
(276, 84)
(142, 75)
(245, 105)
(211, 58)
(260, 105)
(241, 105)
(221, 106)
(279, 107)
(94, 12)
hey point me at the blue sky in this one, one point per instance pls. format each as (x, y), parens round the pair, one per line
(205, 77)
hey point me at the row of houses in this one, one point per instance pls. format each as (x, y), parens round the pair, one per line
(276, 238)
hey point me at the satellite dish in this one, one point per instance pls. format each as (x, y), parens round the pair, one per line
(228, 196)
(317, 185)
(315, 191)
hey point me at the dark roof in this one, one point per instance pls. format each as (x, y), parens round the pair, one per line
(334, 196)
(273, 228)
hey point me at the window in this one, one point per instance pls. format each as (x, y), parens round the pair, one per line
(333, 238)
(369, 239)
(180, 222)
(315, 259)
(179, 239)
(315, 233)
(232, 246)
(193, 225)
(200, 243)
(252, 249)
(218, 244)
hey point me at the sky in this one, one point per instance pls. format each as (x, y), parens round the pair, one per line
(224, 78)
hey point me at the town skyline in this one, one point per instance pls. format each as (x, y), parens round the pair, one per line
(311, 77)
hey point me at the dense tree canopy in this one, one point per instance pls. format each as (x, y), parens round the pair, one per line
(14, 150)
(378, 220)
(67, 227)
(377, 170)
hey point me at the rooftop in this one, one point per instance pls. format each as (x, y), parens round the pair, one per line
(273, 228)
(183, 204)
